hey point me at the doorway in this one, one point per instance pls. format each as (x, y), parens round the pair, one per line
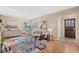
(70, 28)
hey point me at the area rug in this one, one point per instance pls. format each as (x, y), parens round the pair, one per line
(26, 44)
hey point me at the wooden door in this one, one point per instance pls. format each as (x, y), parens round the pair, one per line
(70, 28)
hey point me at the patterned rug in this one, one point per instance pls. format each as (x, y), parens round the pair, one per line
(26, 44)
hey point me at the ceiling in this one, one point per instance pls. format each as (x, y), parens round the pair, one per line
(29, 12)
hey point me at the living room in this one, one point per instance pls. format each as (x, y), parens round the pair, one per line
(53, 29)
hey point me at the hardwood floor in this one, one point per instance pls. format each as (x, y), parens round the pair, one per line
(55, 46)
(60, 47)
